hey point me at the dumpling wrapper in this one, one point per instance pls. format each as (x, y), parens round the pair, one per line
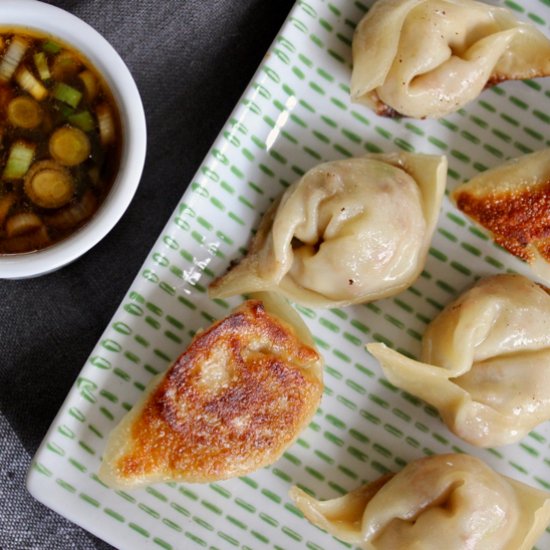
(349, 231)
(449, 502)
(485, 361)
(512, 202)
(230, 404)
(428, 58)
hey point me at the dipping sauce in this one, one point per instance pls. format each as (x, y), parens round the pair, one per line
(60, 140)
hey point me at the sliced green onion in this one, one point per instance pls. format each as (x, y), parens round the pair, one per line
(41, 63)
(83, 120)
(30, 83)
(69, 146)
(106, 123)
(25, 112)
(26, 243)
(69, 95)
(13, 56)
(49, 46)
(19, 160)
(74, 213)
(90, 83)
(49, 184)
(22, 223)
(65, 66)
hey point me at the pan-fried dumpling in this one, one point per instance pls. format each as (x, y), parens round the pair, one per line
(428, 58)
(348, 231)
(512, 202)
(486, 361)
(230, 404)
(450, 502)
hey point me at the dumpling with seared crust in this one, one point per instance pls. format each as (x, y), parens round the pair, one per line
(230, 404)
(512, 202)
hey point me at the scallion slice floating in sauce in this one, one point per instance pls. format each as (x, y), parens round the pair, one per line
(49, 185)
(19, 160)
(13, 56)
(24, 112)
(69, 95)
(69, 146)
(41, 64)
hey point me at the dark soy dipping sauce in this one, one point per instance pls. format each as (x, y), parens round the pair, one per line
(60, 140)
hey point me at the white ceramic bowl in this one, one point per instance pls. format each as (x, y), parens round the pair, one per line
(72, 30)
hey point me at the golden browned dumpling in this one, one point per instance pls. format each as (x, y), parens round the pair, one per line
(446, 502)
(230, 404)
(512, 202)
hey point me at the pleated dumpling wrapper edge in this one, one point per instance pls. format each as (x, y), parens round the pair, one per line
(349, 231)
(429, 58)
(485, 361)
(230, 404)
(441, 502)
(512, 203)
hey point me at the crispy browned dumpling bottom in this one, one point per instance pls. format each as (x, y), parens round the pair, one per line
(519, 219)
(230, 404)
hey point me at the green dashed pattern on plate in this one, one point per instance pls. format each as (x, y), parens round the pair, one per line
(295, 114)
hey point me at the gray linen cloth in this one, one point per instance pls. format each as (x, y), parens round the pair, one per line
(24, 522)
(191, 60)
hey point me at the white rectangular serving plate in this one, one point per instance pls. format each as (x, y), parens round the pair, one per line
(295, 113)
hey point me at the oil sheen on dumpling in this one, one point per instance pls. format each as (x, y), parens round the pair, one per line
(349, 231)
(485, 361)
(230, 404)
(428, 58)
(445, 502)
(512, 202)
